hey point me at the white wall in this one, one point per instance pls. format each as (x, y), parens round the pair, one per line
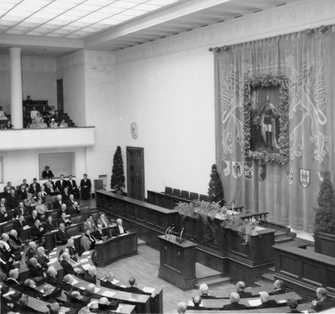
(167, 87)
(39, 79)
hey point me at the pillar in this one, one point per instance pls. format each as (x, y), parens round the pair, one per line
(16, 88)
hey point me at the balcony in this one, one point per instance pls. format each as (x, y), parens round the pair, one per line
(23, 139)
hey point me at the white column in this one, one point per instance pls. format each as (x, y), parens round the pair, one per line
(16, 88)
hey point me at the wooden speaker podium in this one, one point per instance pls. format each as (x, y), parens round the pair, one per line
(177, 261)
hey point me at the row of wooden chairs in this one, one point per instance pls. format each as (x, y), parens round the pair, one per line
(186, 194)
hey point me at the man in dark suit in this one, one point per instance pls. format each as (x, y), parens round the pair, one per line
(267, 301)
(47, 173)
(15, 244)
(35, 187)
(293, 306)
(278, 288)
(18, 224)
(73, 207)
(12, 201)
(85, 187)
(234, 304)
(61, 184)
(73, 188)
(49, 224)
(20, 210)
(321, 302)
(49, 187)
(37, 231)
(240, 289)
(22, 193)
(57, 204)
(35, 268)
(62, 236)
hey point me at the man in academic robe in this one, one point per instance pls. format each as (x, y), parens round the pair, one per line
(61, 184)
(35, 187)
(85, 187)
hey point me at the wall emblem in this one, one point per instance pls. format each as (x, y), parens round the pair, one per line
(304, 177)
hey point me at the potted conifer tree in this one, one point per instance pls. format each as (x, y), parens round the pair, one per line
(324, 233)
(215, 188)
(118, 179)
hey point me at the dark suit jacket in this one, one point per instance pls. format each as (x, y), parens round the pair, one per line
(34, 188)
(35, 271)
(57, 205)
(47, 174)
(36, 233)
(67, 267)
(245, 294)
(323, 305)
(60, 186)
(62, 237)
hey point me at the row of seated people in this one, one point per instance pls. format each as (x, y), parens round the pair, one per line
(266, 299)
(41, 271)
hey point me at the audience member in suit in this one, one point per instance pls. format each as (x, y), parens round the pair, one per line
(24, 184)
(49, 187)
(62, 236)
(105, 306)
(73, 188)
(47, 173)
(13, 280)
(107, 281)
(32, 218)
(15, 244)
(29, 287)
(72, 249)
(37, 231)
(3, 203)
(18, 224)
(35, 187)
(6, 252)
(12, 201)
(67, 265)
(278, 287)
(321, 302)
(234, 304)
(204, 293)
(49, 224)
(61, 184)
(87, 241)
(72, 205)
(65, 219)
(42, 258)
(3, 214)
(293, 306)
(240, 289)
(51, 276)
(22, 193)
(32, 250)
(120, 229)
(41, 208)
(7, 187)
(99, 233)
(20, 210)
(267, 301)
(62, 211)
(66, 195)
(90, 224)
(85, 187)
(57, 204)
(35, 268)
(77, 300)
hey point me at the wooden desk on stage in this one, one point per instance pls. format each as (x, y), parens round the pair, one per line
(177, 262)
(114, 248)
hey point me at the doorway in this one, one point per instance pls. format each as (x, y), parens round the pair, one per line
(135, 172)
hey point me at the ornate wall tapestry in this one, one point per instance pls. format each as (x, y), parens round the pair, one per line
(275, 113)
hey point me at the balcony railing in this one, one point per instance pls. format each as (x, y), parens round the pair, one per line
(21, 139)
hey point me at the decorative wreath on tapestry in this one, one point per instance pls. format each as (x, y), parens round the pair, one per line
(266, 119)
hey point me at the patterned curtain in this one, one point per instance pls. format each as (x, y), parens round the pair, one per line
(307, 60)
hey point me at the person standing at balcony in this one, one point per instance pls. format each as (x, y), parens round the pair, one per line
(35, 187)
(61, 184)
(47, 173)
(85, 187)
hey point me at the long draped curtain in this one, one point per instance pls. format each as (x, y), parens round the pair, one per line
(307, 60)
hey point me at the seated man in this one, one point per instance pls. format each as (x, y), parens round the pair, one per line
(3, 214)
(293, 306)
(321, 302)
(49, 187)
(32, 218)
(103, 221)
(69, 267)
(62, 236)
(71, 249)
(196, 302)
(20, 210)
(57, 204)
(22, 193)
(12, 201)
(41, 208)
(37, 231)
(51, 276)
(35, 187)
(90, 274)
(49, 224)
(278, 287)
(267, 301)
(240, 289)
(42, 258)
(99, 234)
(29, 287)
(204, 294)
(32, 250)
(18, 224)
(35, 268)
(234, 303)
(87, 241)
(72, 205)
(13, 278)
(15, 243)
(106, 306)
(77, 300)
(65, 219)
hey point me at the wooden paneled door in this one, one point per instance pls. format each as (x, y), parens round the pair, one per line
(60, 95)
(135, 172)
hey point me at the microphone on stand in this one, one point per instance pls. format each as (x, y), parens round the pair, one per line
(181, 234)
(167, 230)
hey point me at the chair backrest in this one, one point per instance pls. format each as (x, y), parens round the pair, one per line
(194, 196)
(185, 194)
(176, 192)
(204, 197)
(168, 190)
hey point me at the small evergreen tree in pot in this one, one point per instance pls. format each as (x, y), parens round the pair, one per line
(118, 179)
(215, 188)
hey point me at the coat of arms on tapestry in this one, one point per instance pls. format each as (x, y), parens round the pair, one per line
(266, 119)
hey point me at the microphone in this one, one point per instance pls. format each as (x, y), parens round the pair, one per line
(181, 233)
(171, 229)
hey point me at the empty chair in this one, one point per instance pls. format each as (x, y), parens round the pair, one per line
(168, 190)
(194, 196)
(185, 194)
(176, 192)
(204, 197)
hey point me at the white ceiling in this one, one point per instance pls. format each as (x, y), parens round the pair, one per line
(60, 26)
(70, 18)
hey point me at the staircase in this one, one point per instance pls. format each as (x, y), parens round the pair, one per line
(282, 233)
(209, 276)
